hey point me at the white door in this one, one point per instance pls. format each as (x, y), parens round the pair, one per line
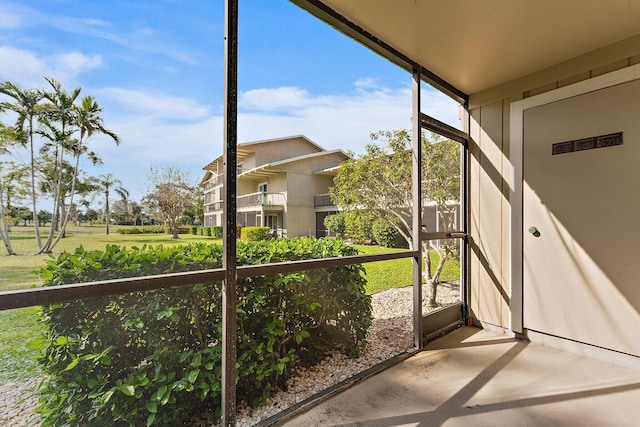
(581, 220)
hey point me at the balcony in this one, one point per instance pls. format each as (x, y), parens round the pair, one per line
(213, 182)
(213, 207)
(322, 200)
(261, 199)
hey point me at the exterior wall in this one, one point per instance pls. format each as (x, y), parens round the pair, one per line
(300, 210)
(249, 162)
(297, 182)
(247, 186)
(490, 170)
(489, 219)
(276, 183)
(300, 221)
(281, 150)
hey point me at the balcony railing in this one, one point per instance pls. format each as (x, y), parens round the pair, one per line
(322, 200)
(213, 182)
(217, 206)
(261, 199)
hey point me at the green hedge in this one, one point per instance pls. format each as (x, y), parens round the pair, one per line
(183, 229)
(216, 231)
(149, 229)
(255, 234)
(154, 357)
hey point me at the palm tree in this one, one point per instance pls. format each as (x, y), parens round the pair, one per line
(4, 227)
(27, 104)
(61, 110)
(106, 184)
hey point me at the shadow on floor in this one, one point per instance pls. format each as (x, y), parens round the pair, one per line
(475, 377)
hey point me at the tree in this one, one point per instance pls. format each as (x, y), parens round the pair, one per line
(171, 193)
(378, 183)
(44, 217)
(91, 215)
(26, 103)
(64, 123)
(335, 224)
(106, 183)
(135, 210)
(5, 138)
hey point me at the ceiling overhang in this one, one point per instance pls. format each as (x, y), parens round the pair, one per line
(467, 47)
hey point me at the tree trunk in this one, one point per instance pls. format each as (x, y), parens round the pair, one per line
(106, 210)
(4, 230)
(36, 223)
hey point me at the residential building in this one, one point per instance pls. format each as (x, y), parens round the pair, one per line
(283, 183)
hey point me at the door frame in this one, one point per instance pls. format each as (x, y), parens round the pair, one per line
(516, 148)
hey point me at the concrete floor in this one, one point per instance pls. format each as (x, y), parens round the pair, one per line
(474, 377)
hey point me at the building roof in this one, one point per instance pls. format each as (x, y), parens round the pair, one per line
(276, 167)
(478, 45)
(268, 169)
(246, 148)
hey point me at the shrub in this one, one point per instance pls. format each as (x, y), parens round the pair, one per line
(335, 223)
(154, 357)
(194, 230)
(150, 229)
(182, 229)
(385, 233)
(201, 231)
(358, 225)
(255, 234)
(207, 231)
(216, 231)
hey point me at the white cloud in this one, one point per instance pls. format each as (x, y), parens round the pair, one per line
(155, 104)
(335, 121)
(13, 16)
(270, 99)
(28, 68)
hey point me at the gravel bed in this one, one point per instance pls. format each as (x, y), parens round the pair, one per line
(17, 403)
(390, 334)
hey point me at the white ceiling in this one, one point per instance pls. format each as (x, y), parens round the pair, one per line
(479, 44)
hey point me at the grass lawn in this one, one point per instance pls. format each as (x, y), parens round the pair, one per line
(397, 273)
(18, 327)
(19, 272)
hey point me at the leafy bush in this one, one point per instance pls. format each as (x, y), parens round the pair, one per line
(153, 229)
(358, 225)
(216, 231)
(385, 233)
(335, 223)
(155, 357)
(255, 234)
(207, 231)
(194, 230)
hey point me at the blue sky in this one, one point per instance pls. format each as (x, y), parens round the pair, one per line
(156, 69)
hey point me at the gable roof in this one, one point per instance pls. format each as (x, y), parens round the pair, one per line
(246, 148)
(276, 167)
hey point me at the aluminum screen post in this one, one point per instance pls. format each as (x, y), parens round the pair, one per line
(416, 198)
(229, 260)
